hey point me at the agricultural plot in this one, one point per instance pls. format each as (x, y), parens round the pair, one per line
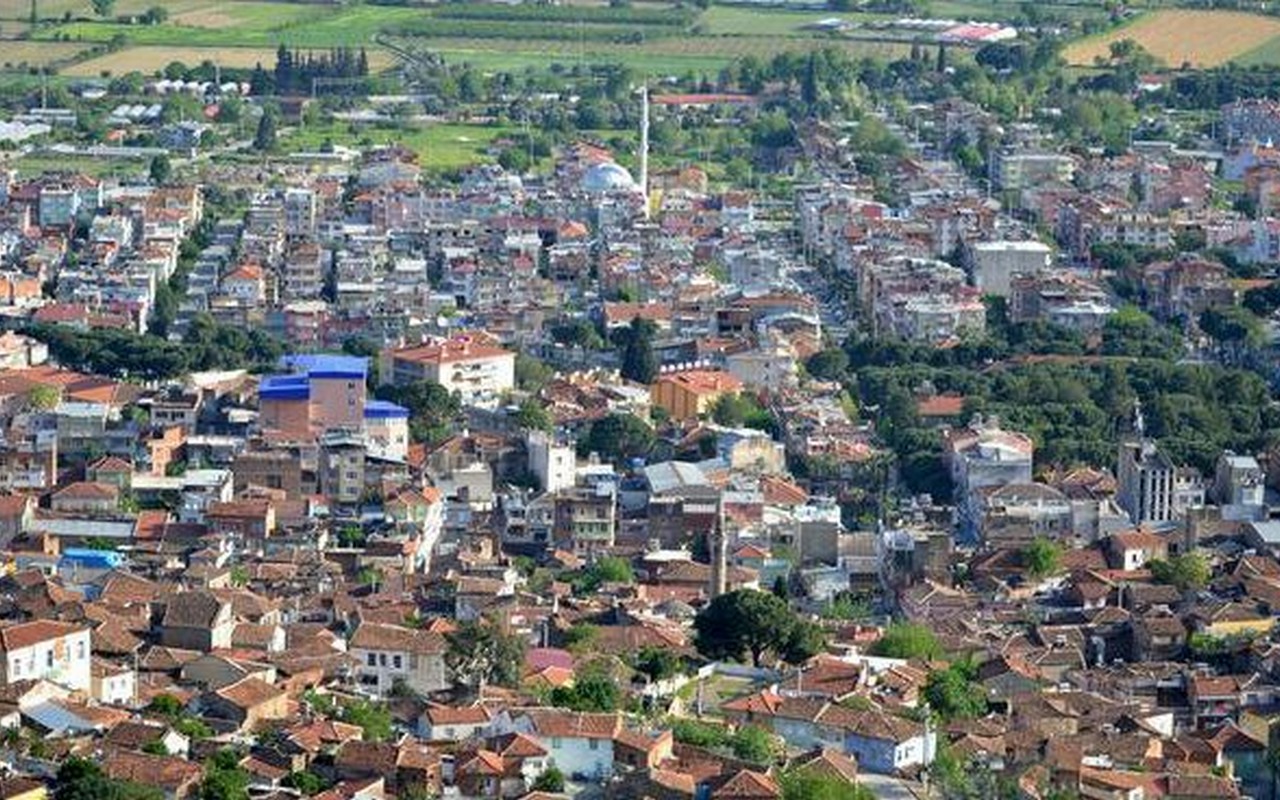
(55, 9)
(669, 56)
(259, 25)
(22, 54)
(149, 59)
(1198, 38)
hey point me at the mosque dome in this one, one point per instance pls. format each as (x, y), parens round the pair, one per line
(607, 177)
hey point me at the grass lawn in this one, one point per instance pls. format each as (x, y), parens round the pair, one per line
(443, 146)
(97, 167)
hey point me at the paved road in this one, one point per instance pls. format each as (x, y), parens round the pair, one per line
(886, 788)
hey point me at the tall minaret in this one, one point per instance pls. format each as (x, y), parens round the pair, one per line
(643, 180)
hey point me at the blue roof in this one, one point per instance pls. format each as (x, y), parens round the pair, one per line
(325, 365)
(85, 555)
(284, 387)
(381, 409)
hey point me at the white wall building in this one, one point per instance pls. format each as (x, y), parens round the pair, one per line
(48, 650)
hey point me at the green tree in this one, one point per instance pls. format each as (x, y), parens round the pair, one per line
(372, 718)
(810, 784)
(638, 362)
(594, 692)
(1042, 557)
(1187, 572)
(532, 416)
(831, 364)
(580, 637)
(551, 780)
(532, 374)
(952, 694)
(755, 744)
(908, 640)
(479, 654)
(264, 140)
(744, 621)
(432, 408)
(657, 663)
(805, 640)
(617, 437)
(306, 782)
(167, 705)
(43, 397)
(161, 171)
(224, 778)
(1233, 325)
(103, 8)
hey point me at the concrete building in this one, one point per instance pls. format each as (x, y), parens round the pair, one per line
(1152, 489)
(551, 460)
(473, 366)
(995, 264)
(47, 650)
(692, 393)
(1017, 171)
(1238, 487)
(984, 454)
(342, 467)
(389, 654)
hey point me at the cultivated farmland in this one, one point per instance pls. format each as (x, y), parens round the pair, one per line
(1182, 36)
(148, 59)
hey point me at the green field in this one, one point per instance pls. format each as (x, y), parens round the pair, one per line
(255, 26)
(741, 21)
(443, 146)
(718, 36)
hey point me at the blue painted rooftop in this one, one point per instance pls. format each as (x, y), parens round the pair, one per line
(89, 556)
(285, 387)
(381, 409)
(327, 365)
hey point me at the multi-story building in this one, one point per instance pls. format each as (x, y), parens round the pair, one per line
(1239, 486)
(472, 365)
(47, 650)
(1017, 171)
(983, 456)
(388, 655)
(586, 517)
(1152, 489)
(692, 393)
(995, 264)
(342, 467)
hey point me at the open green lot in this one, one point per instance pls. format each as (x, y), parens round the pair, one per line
(443, 146)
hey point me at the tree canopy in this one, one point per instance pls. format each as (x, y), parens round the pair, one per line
(479, 653)
(747, 621)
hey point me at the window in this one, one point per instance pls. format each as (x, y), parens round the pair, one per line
(396, 661)
(80, 650)
(373, 660)
(594, 744)
(48, 659)
(382, 659)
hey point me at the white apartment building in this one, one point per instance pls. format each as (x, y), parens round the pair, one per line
(47, 650)
(475, 367)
